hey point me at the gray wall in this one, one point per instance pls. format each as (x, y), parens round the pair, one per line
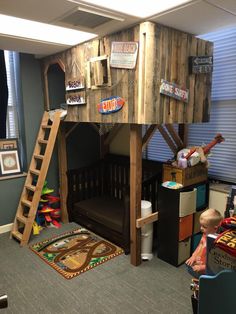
(82, 146)
(10, 189)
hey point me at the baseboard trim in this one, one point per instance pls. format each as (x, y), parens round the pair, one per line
(5, 228)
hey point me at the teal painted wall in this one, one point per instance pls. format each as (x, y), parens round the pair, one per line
(10, 189)
(82, 146)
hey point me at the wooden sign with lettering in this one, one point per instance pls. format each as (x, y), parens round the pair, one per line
(173, 90)
(124, 54)
(201, 64)
(110, 105)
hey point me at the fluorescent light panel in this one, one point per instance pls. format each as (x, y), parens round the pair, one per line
(17, 27)
(138, 8)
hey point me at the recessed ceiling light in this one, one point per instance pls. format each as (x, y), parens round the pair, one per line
(138, 8)
(16, 27)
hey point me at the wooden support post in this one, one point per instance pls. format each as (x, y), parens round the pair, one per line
(46, 92)
(62, 161)
(135, 191)
(183, 133)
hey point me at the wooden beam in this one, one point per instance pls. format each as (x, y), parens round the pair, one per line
(62, 161)
(96, 128)
(46, 91)
(135, 191)
(175, 136)
(112, 134)
(104, 149)
(183, 133)
(148, 135)
(146, 220)
(167, 139)
(72, 129)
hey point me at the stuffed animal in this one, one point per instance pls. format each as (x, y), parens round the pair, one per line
(192, 156)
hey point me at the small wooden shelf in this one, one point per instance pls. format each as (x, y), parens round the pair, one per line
(75, 103)
(68, 89)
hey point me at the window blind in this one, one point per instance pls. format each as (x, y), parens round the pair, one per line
(223, 107)
(224, 63)
(157, 148)
(12, 119)
(223, 158)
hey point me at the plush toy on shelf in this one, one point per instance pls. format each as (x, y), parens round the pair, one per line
(188, 157)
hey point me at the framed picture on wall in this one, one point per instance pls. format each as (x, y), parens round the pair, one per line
(8, 143)
(9, 162)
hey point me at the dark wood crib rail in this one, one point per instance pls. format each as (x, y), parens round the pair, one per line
(111, 176)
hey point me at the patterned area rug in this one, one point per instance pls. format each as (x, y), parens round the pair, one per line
(75, 252)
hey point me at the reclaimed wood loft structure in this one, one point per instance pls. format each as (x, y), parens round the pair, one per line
(147, 66)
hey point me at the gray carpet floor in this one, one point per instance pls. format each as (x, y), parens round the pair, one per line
(116, 286)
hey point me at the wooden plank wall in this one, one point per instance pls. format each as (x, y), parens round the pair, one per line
(167, 52)
(163, 54)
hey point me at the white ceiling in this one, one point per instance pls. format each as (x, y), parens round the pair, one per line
(196, 17)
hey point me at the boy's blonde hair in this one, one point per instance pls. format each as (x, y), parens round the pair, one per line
(212, 216)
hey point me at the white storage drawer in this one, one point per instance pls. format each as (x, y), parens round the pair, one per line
(187, 203)
(184, 250)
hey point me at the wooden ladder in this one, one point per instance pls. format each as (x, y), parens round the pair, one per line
(31, 194)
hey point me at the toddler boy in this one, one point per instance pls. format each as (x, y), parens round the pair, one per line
(209, 221)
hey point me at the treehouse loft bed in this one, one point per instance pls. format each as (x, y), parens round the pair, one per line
(148, 74)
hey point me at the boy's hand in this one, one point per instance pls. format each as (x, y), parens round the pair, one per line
(190, 261)
(198, 268)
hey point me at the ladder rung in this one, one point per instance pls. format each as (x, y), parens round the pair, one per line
(31, 187)
(22, 218)
(46, 126)
(42, 141)
(26, 203)
(38, 156)
(35, 171)
(17, 235)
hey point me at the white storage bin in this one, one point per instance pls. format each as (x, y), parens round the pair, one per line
(187, 203)
(184, 250)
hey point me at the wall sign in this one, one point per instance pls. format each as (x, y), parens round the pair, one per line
(77, 98)
(201, 64)
(174, 91)
(74, 84)
(110, 105)
(75, 91)
(124, 54)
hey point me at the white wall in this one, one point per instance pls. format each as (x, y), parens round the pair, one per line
(120, 143)
(218, 197)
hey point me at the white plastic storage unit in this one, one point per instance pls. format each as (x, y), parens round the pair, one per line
(146, 232)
